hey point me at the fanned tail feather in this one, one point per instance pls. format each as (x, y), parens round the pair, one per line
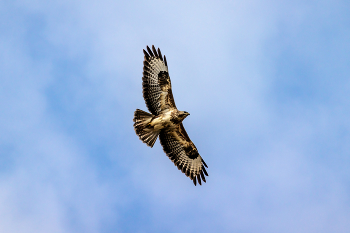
(141, 120)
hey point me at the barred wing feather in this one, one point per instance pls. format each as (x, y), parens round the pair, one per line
(156, 82)
(181, 150)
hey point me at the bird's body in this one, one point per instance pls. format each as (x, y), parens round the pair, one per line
(166, 120)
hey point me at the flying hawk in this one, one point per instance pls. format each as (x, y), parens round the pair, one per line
(166, 120)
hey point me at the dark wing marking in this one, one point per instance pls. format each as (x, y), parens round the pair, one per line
(156, 82)
(181, 150)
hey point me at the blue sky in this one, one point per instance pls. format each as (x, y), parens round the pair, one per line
(267, 85)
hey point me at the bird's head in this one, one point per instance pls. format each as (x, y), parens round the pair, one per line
(183, 114)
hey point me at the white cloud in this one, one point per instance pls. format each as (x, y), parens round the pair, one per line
(74, 163)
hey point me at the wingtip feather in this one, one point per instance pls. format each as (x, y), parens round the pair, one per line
(150, 51)
(154, 51)
(160, 54)
(146, 55)
(165, 61)
(204, 163)
(199, 179)
(205, 171)
(203, 177)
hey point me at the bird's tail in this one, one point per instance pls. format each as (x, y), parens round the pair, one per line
(145, 133)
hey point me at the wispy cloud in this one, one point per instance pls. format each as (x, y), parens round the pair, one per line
(266, 85)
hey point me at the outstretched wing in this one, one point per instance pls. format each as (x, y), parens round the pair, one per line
(156, 82)
(181, 150)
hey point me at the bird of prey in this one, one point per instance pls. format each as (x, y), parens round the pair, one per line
(165, 120)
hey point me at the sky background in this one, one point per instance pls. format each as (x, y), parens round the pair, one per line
(267, 84)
